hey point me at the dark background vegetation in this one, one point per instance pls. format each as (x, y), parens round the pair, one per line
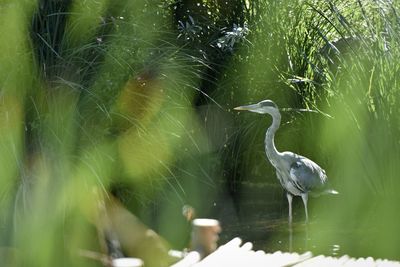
(135, 98)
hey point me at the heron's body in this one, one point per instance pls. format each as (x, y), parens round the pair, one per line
(298, 175)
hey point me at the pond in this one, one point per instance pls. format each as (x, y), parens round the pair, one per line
(265, 224)
(277, 235)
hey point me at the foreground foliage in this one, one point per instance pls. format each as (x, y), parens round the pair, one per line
(133, 99)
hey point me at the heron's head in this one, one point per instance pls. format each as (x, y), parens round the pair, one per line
(263, 107)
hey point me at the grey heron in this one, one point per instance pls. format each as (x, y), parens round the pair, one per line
(298, 175)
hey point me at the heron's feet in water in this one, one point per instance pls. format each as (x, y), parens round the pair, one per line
(290, 221)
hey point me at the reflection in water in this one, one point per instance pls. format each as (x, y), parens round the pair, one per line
(278, 235)
(306, 237)
(264, 223)
(290, 237)
(269, 235)
(335, 250)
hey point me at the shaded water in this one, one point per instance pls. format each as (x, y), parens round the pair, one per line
(273, 235)
(339, 224)
(266, 226)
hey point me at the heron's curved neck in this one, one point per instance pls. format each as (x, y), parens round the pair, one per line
(272, 153)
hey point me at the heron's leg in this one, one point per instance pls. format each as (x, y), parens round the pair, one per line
(304, 196)
(289, 198)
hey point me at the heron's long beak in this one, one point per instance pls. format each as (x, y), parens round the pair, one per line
(248, 107)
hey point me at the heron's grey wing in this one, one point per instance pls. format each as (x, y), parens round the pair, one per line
(307, 175)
